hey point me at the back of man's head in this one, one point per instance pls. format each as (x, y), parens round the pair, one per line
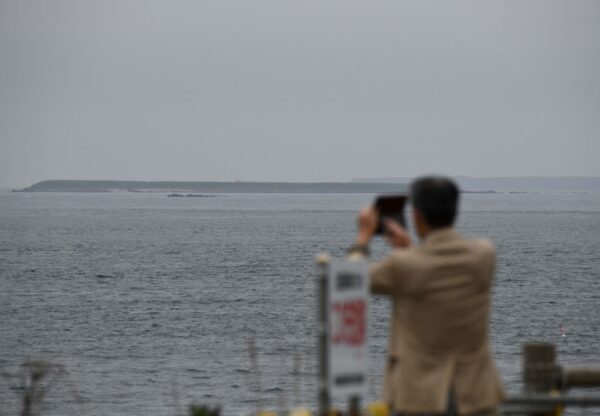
(436, 198)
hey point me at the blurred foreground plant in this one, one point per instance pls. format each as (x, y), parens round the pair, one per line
(195, 410)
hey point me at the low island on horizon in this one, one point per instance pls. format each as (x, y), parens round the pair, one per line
(212, 187)
(358, 185)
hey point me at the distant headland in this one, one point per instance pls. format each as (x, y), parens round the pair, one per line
(357, 185)
(213, 187)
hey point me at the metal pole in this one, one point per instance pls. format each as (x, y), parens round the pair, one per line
(581, 377)
(323, 264)
(544, 404)
(255, 369)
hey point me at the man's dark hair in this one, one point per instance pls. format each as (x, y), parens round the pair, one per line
(436, 198)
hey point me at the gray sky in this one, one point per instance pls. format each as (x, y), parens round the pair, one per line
(297, 90)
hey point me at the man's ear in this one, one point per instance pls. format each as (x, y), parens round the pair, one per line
(421, 225)
(417, 217)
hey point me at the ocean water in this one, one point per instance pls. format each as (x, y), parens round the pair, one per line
(148, 302)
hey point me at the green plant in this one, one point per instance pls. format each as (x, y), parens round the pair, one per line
(203, 410)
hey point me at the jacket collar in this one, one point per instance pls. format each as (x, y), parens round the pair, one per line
(441, 235)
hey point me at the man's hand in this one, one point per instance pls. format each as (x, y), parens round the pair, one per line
(367, 225)
(396, 235)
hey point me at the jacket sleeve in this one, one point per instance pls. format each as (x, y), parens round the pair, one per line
(387, 276)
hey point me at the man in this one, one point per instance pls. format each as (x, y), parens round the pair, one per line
(439, 355)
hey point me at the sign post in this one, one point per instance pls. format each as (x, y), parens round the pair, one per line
(343, 293)
(323, 263)
(347, 298)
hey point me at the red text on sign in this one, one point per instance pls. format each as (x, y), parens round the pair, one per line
(349, 322)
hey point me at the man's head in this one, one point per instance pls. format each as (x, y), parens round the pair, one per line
(435, 203)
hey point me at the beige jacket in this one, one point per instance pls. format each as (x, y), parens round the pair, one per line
(440, 293)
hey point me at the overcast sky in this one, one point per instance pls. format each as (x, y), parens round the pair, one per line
(297, 90)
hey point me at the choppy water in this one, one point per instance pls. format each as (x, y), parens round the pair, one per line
(148, 301)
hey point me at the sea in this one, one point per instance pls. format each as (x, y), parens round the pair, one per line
(141, 304)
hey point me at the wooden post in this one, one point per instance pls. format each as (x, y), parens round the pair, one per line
(323, 263)
(541, 374)
(544, 383)
(354, 406)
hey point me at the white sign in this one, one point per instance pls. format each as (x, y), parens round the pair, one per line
(348, 293)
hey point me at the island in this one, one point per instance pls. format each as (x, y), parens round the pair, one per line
(205, 188)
